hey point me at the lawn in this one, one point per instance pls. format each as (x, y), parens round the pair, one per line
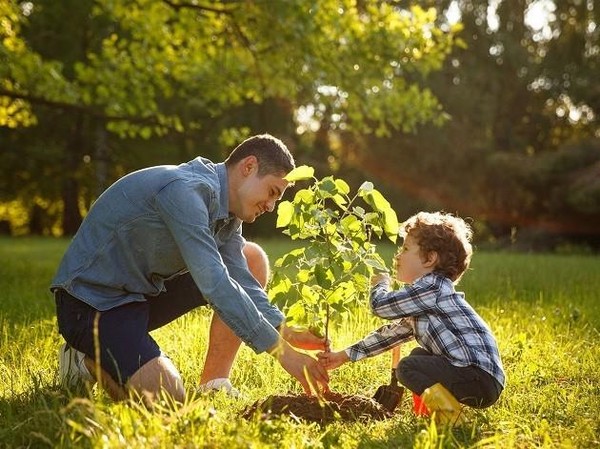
(544, 310)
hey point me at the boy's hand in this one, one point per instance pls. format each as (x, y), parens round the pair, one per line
(331, 360)
(303, 339)
(380, 277)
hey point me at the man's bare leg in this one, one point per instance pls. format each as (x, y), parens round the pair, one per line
(223, 344)
(157, 376)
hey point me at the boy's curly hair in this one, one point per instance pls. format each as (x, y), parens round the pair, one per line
(449, 236)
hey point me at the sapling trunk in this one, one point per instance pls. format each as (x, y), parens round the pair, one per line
(326, 322)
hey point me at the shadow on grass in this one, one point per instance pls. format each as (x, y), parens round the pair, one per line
(52, 417)
(43, 418)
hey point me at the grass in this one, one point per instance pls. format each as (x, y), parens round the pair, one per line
(544, 310)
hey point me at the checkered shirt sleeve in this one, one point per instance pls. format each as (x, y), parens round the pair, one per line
(384, 338)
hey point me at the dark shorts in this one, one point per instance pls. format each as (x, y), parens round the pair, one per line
(123, 332)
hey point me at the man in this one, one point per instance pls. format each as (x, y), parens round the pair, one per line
(160, 242)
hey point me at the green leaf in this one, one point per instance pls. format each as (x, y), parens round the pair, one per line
(316, 329)
(351, 224)
(322, 276)
(377, 264)
(391, 225)
(376, 200)
(295, 313)
(358, 211)
(300, 173)
(340, 200)
(365, 187)
(328, 186)
(309, 295)
(303, 276)
(285, 212)
(289, 258)
(305, 196)
(342, 186)
(282, 287)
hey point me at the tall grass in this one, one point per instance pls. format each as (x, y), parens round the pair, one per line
(544, 310)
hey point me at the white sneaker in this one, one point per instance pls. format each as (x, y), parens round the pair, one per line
(72, 371)
(221, 384)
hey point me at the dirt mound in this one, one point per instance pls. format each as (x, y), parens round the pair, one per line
(333, 406)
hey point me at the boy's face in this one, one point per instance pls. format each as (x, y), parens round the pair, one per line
(409, 262)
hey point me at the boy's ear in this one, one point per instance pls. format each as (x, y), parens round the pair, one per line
(431, 259)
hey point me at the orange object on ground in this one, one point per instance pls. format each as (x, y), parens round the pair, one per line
(419, 407)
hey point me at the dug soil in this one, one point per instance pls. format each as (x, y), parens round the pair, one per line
(333, 406)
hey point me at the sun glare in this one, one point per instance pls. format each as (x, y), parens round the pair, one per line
(537, 17)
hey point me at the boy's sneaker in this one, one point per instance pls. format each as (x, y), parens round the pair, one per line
(220, 384)
(71, 370)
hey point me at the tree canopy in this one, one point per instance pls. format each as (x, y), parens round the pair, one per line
(147, 68)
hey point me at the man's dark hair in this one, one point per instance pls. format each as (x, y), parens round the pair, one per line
(273, 156)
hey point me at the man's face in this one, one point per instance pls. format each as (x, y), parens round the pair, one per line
(257, 195)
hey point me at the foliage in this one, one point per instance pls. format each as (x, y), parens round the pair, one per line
(174, 73)
(542, 308)
(22, 67)
(152, 54)
(521, 98)
(324, 280)
(350, 85)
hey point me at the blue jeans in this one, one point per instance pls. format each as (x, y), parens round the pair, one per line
(123, 332)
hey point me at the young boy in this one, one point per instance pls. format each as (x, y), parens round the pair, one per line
(458, 359)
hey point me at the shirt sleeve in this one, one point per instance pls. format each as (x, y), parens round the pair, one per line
(185, 213)
(237, 265)
(381, 340)
(411, 300)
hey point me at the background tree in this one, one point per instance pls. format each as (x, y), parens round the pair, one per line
(359, 87)
(520, 152)
(173, 73)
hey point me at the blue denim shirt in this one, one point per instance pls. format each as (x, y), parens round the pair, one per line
(160, 222)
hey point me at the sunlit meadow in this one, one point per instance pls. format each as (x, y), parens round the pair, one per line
(544, 310)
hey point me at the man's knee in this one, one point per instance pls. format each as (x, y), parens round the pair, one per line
(258, 262)
(156, 376)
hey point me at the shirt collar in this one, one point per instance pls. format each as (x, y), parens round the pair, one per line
(223, 214)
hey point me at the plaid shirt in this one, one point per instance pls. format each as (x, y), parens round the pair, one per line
(438, 317)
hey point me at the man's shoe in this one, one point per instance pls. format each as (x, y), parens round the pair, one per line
(71, 369)
(220, 384)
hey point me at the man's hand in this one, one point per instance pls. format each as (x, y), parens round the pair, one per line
(331, 360)
(309, 372)
(304, 339)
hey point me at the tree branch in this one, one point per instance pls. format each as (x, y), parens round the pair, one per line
(88, 110)
(181, 5)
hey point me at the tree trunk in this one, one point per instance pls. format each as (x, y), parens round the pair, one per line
(70, 193)
(102, 158)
